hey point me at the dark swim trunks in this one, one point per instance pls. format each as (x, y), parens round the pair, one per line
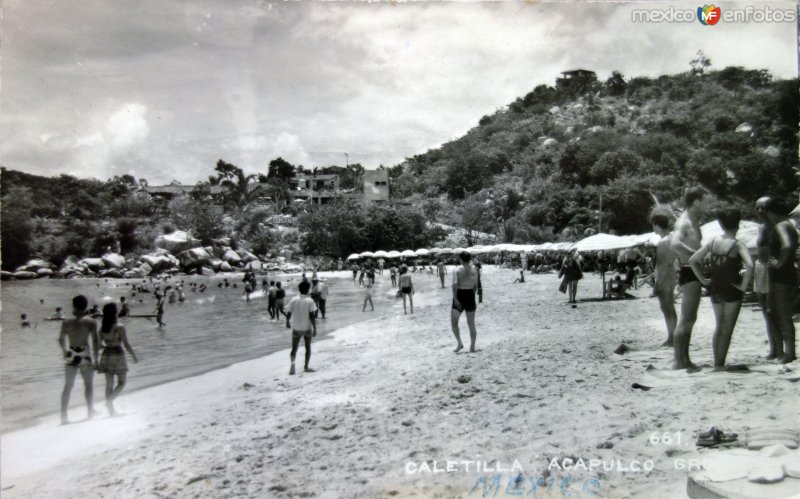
(686, 275)
(466, 298)
(406, 290)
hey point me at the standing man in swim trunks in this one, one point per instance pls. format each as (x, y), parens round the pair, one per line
(441, 270)
(465, 284)
(664, 287)
(80, 331)
(300, 319)
(684, 243)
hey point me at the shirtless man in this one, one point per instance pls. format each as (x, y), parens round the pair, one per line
(685, 240)
(465, 283)
(79, 331)
(441, 270)
(664, 287)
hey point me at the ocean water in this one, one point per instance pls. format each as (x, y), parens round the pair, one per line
(208, 331)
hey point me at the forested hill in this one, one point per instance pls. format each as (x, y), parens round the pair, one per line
(541, 164)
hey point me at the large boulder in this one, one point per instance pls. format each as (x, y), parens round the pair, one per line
(206, 271)
(93, 264)
(157, 262)
(24, 274)
(176, 242)
(137, 273)
(34, 265)
(246, 256)
(216, 264)
(194, 257)
(225, 267)
(111, 273)
(232, 257)
(44, 272)
(113, 261)
(145, 269)
(6, 275)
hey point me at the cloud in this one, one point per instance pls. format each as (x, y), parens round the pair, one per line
(127, 126)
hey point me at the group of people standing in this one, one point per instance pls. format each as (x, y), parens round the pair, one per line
(775, 280)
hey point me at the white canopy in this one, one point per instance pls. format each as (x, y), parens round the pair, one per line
(408, 253)
(368, 254)
(602, 241)
(748, 232)
(443, 251)
(354, 256)
(381, 254)
(393, 254)
(422, 252)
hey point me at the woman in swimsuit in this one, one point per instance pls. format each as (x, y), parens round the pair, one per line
(406, 288)
(726, 286)
(571, 271)
(112, 361)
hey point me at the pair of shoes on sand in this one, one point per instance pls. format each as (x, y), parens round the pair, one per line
(714, 438)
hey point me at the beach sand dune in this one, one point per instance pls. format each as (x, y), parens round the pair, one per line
(391, 400)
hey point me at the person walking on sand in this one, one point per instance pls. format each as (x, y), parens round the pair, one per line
(112, 362)
(406, 288)
(300, 318)
(684, 242)
(441, 270)
(726, 287)
(368, 297)
(322, 289)
(572, 273)
(80, 331)
(783, 242)
(280, 295)
(465, 285)
(160, 309)
(664, 286)
(393, 275)
(271, 290)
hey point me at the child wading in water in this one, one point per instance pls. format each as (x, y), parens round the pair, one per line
(368, 297)
(300, 318)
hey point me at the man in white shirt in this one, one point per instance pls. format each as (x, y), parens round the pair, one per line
(300, 318)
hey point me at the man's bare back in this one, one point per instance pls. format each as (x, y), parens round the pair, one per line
(686, 239)
(466, 277)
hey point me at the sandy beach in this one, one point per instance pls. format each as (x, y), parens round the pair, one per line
(393, 412)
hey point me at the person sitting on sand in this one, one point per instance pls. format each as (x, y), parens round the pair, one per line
(58, 316)
(521, 278)
(300, 318)
(685, 241)
(112, 362)
(280, 295)
(80, 331)
(465, 284)
(406, 288)
(664, 285)
(94, 313)
(725, 287)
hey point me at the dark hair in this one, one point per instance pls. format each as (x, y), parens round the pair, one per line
(693, 195)
(776, 206)
(660, 220)
(278, 284)
(58, 308)
(122, 299)
(304, 287)
(465, 256)
(271, 283)
(109, 317)
(729, 218)
(403, 269)
(80, 303)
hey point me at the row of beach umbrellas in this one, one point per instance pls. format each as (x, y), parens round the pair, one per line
(748, 233)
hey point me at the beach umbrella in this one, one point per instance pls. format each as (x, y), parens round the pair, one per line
(444, 251)
(368, 254)
(748, 232)
(408, 254)
(422, 252)
(354, 256)
(393, 254)
(603, 242)
(649, 239)
(478, 249)
(381, 254)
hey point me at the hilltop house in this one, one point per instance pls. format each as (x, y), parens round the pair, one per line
(576, 80)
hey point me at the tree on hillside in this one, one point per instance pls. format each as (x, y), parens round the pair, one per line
(699, 64)
(16, 227)
(241, 189)
(615, 85)
(281, 169)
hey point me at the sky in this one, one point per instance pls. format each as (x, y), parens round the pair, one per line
(162, 89)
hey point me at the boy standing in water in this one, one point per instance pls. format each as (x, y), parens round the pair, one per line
(304, 325)
(80, 331)
(684, 242)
